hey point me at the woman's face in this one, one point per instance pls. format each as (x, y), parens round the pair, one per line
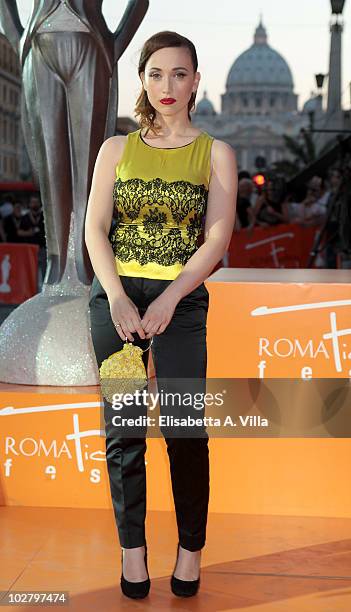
(169, 74)
(335, 178)
(17, 209)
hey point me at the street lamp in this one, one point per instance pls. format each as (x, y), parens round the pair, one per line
(337, 6)
(320, 79)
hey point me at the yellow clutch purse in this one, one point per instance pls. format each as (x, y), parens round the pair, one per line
(123, 371)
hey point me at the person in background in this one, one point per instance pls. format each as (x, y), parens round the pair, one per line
(335, 178)
(18, 227)
(254, 195)
(318, 184)
(6, 208)
(243, 174)
(37, 220)
(243, 207)
(311, 211)
(332, 213)
(269, 209)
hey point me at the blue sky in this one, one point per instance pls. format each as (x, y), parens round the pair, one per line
(222, 29)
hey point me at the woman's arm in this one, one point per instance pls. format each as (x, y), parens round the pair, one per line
(219, 224)
(250, 214)
(24, 233)
(276, 213)
(254, 212)
(315, 215)
(99, 216)
(97, 227)
(285, 210)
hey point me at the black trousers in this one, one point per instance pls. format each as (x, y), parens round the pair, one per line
(180, 352)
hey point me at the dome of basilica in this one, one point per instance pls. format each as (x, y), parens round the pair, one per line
(260, 65)
(313, 105)
(205, 106)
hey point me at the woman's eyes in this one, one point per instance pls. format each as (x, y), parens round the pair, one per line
(177, 74)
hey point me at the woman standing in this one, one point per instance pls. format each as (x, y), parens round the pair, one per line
(148, 282)
(270, 206)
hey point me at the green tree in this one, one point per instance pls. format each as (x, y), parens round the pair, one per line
(303, 150)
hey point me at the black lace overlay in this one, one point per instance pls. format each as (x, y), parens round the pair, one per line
(157, 221)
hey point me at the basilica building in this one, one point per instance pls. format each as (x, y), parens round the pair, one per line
(258, 106)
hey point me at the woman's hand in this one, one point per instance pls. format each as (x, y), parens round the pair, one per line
(270, 209)
(125, 313)
(158, 314)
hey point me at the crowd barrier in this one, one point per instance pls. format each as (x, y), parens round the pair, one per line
(278, 246)
(18, 272)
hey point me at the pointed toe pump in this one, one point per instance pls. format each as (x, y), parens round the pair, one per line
(184, 588)
(136, 590)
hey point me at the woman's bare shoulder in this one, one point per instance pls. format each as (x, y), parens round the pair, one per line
(112, 148)
(222, 149)
(116, 143)
(222, 155)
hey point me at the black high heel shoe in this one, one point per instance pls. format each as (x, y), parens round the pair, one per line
(136, 590)
(184, 588)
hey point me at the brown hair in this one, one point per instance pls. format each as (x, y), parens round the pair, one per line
(158, 41)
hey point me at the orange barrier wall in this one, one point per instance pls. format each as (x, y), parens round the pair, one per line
(279, 323)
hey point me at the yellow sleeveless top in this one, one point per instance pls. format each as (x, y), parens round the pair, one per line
(160, 199)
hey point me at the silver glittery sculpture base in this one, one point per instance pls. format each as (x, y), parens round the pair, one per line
(46, 340)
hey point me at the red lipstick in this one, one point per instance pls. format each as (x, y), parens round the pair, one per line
(168, 100)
